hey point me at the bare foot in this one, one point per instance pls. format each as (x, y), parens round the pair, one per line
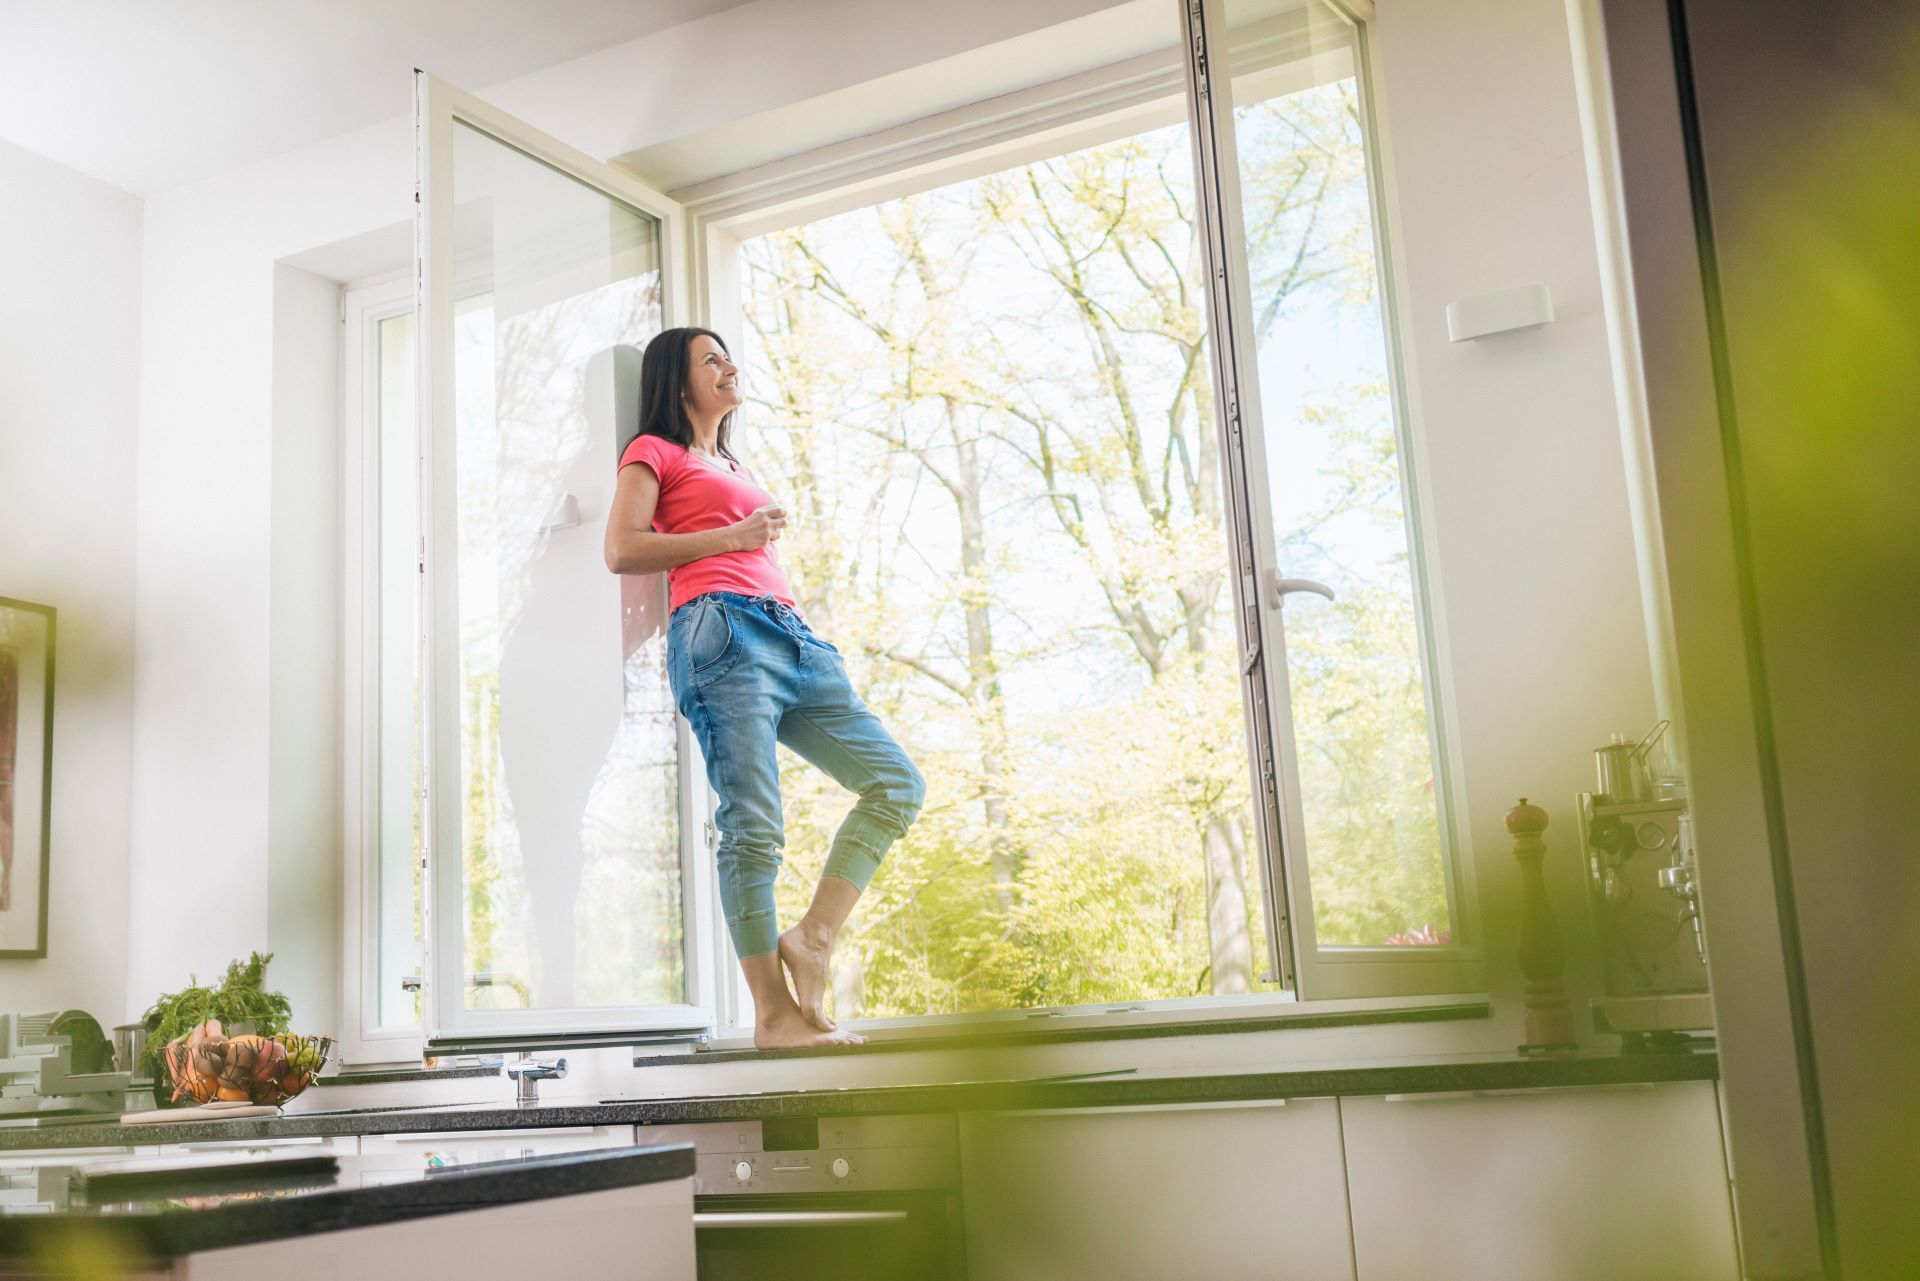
(786, 1027)
(805, 950)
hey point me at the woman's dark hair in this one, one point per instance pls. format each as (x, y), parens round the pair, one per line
(663, 384)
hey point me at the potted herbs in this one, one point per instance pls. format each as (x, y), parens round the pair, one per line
(240, 1002)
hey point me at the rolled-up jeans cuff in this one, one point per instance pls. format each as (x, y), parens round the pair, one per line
(858, 847)
(755, 934)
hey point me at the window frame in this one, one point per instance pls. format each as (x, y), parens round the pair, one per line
(363, 306)
(1048, 119)
(1345, 972)
(448, 1027)
(703, 225)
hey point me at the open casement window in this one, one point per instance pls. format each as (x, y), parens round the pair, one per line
(1339, 646)
(1167, 386)
(563, 904)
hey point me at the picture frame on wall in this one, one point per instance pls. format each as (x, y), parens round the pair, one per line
(26, 775)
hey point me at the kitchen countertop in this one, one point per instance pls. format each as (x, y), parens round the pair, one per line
(47, 1211)
(1388, 1075)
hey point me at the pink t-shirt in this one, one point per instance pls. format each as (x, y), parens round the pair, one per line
(696, 495)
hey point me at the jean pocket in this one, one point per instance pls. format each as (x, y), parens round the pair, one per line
(708, 639)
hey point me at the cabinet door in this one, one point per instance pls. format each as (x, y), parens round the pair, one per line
(1221, 1192)
(642, 1233)
(1614, 1184)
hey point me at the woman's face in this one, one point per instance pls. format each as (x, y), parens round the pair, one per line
(713, 381)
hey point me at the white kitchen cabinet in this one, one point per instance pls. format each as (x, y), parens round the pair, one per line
(1621, 1183)
(1213, 1191)
(642, 1233)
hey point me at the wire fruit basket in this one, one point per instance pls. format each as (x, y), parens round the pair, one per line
(207, 1065)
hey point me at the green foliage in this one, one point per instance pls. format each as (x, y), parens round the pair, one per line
(988, 410)
(239, 997)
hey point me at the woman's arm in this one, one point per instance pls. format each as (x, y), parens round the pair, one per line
(632, 547)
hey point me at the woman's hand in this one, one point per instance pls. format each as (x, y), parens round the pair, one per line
(759, 529)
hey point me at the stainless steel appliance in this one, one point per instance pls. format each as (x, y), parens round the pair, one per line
(1640, 885)
(861, 1198)
(1625, 768)
(58, 1067)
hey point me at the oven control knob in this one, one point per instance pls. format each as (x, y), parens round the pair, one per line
(743, 1171)
(841, 1169)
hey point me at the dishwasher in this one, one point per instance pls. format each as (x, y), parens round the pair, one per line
(853, 1198)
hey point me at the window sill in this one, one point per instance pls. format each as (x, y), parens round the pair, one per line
(999, 1030)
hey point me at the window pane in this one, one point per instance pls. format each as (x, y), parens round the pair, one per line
(397, 890)
(569, 840)
(1361, 726)
(988, 409)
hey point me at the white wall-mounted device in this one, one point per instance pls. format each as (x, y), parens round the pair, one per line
(1528, 307)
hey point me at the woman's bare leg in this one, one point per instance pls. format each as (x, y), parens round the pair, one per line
(777, 1021)
(807, 949)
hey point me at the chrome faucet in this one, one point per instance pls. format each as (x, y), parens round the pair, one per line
(527, 1073)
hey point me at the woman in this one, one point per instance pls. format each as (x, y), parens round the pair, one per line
(748, 672)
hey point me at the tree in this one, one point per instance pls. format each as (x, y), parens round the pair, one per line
(990, 404)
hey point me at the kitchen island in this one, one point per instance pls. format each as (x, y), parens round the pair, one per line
(623, 1212)
(1373, 1169)
(1421, 1074)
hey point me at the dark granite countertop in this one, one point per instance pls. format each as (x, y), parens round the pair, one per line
(1406, 1075)
(179, 1207)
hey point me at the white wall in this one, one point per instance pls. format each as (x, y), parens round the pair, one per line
(69, 360)
(1518, 434)
(1522, 458)
(304, 804)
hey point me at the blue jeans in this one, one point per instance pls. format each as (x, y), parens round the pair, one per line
(748, 672)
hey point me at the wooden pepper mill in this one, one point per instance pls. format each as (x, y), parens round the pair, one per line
(1543, 957)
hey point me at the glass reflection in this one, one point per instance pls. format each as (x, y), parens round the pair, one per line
(570, 855)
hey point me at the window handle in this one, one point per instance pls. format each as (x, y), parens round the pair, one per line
(1278, 588)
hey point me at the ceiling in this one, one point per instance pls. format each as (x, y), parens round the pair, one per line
(152, 94)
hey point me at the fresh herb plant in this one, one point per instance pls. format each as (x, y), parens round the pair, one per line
(240, 997)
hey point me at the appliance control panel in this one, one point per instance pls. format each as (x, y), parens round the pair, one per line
(818, 1154)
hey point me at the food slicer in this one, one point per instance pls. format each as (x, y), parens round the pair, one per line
(38, 1081)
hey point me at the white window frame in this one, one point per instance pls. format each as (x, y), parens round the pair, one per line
(447, 1025)
(1049, 119)
(362, 1040)
(1347, 971)
(703, 226)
